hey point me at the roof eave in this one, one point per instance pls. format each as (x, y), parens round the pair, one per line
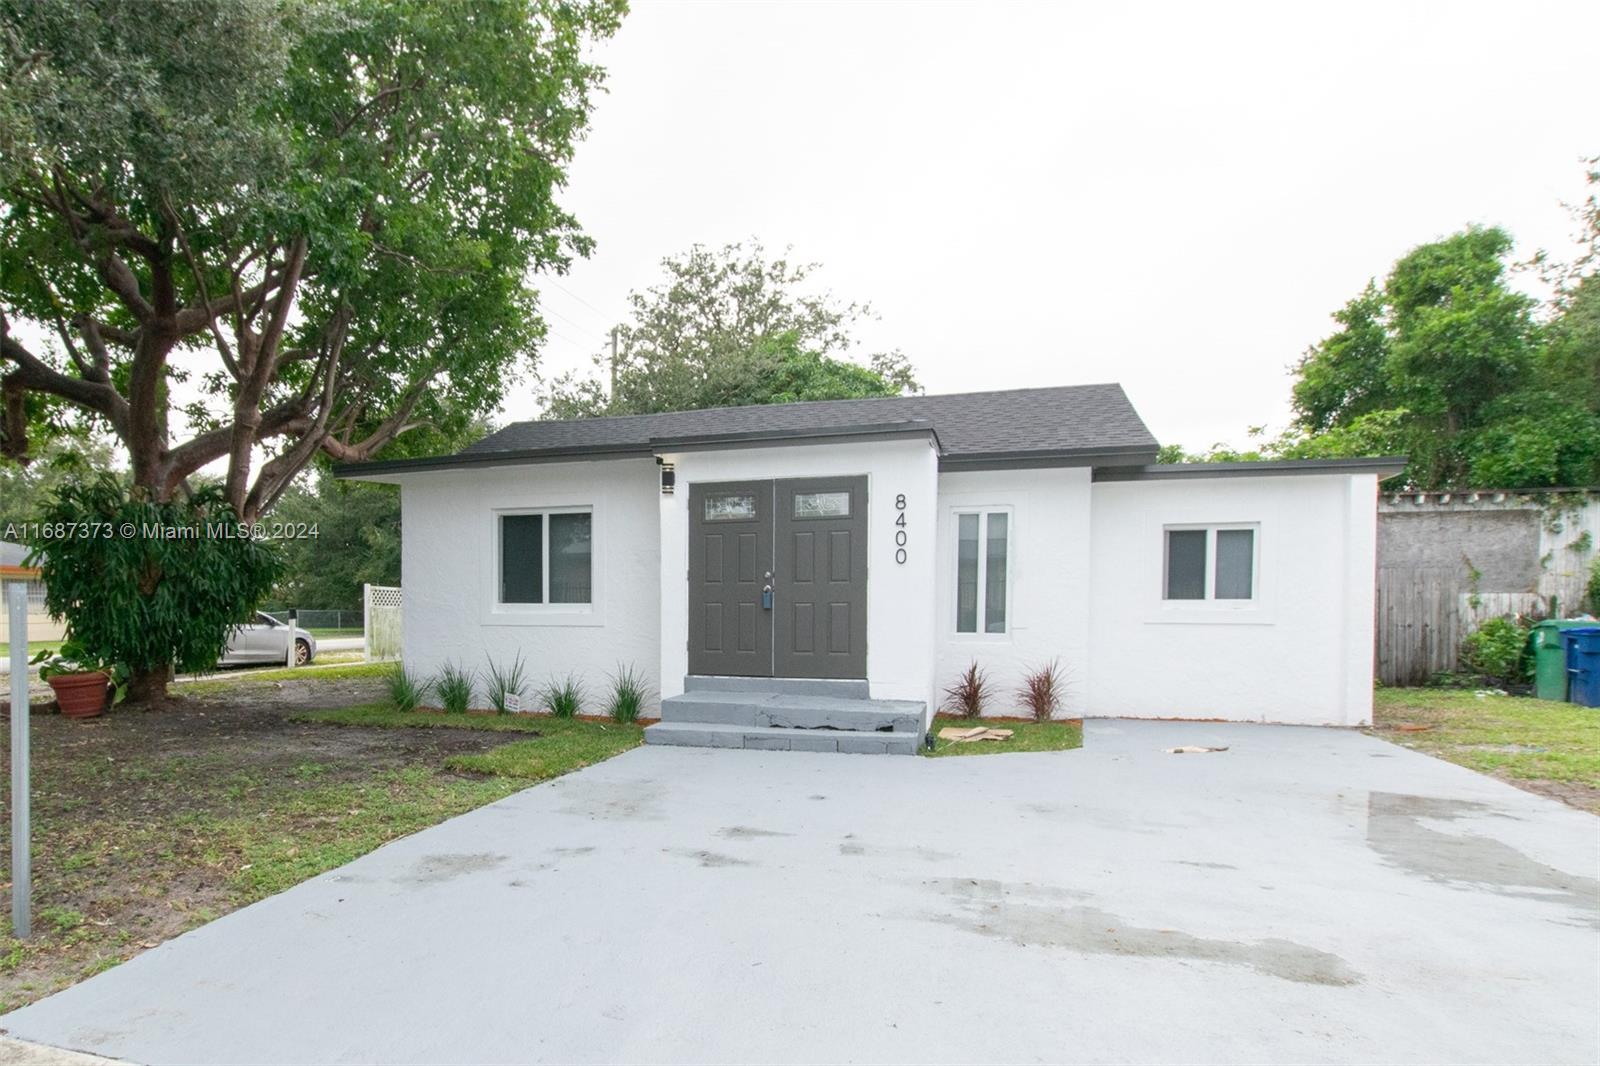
(1384, 466)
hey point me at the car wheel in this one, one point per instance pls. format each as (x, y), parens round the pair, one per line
(302, 653)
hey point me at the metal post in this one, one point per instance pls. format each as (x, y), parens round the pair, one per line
(366, 622)
(288, 654)
(21, 833)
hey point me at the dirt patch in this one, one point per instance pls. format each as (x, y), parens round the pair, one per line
(137, 815)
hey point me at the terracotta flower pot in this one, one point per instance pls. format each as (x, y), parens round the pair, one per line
(81, 695)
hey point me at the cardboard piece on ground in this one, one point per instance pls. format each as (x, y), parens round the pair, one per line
(1191, 749)
(964, 736)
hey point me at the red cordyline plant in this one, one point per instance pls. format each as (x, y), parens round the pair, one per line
(967, 695)
(1043, 690)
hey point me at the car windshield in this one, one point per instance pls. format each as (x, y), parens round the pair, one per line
(265, 619)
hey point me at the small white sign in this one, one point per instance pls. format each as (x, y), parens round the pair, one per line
(513, 702)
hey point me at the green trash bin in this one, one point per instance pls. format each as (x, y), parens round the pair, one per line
(1550, 657)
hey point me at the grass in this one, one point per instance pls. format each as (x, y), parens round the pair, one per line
(219, 682)
(561, 744)
(135, 843)
(1060, 735)
(34, 647)
(1547, 747)
(322, 632)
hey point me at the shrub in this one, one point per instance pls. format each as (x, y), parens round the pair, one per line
(504, 682)
(406, 689)
(1594, 587)
(1043, 690)
(968, 694)
(454, 687)
(628, 695)
(1497, 649)
(564, 698)
(150, 602)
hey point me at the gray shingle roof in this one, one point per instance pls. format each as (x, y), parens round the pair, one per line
(1091, 418)
(1086, 423)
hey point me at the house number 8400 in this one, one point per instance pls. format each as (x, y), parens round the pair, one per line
(900, 529)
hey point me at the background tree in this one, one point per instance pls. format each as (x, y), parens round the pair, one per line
(1447, 364)
(316, 218)
(730, 327)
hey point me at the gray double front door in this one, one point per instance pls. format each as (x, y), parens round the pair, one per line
(778, 578)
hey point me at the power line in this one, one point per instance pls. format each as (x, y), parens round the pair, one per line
(562, 288)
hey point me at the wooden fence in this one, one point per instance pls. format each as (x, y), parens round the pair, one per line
(1437, 583)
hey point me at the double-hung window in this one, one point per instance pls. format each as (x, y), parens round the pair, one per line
(1210, 563)
(983, 555)
(546, 557)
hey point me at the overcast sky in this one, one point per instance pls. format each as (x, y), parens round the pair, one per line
(1173, 196)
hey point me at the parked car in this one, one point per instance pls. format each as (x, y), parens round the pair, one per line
(265, 639)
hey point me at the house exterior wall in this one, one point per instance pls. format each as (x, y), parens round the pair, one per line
(1301, 652)
(450, 573)
(1048, 573)
(900, 595)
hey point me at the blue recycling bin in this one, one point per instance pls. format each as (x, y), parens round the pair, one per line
(1583, 666)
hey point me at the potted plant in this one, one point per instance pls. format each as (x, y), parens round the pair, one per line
(81, 680)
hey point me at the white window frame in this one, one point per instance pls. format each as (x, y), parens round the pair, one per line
(546, 613)
(1209, 601)
(983, 511)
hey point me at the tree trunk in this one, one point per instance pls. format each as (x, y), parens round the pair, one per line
(149, 686)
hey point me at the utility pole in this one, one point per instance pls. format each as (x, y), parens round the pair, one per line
(613, 364)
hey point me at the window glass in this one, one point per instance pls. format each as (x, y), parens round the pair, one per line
(822, 505)
(1236, 558)
(967, 573)
(1186, 564)
(570, 558)
(730, 507)
(522, 558)
(994, 578)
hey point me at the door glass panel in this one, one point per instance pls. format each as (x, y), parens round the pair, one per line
(822, 505)
(967, 573)
(522, 558)
(994, 578)
(1236, 557)
(730, 507)
(1186, 564)
(571, 553)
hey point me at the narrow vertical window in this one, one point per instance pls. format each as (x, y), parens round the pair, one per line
(967, 574)
(994, 584)
(983, 556)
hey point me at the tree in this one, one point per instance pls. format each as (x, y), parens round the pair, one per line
(318, 216)
(1447, 364)
(25, 491)
(730, 327)
(357, 541)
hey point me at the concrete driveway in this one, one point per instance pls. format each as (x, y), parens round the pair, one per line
(1308, 895)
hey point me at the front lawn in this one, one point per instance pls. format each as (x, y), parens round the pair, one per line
(1026, 736)
(560, 745)
(148, 823)
(1542, 746)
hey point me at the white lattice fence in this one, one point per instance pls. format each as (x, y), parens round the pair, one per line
(381, 614)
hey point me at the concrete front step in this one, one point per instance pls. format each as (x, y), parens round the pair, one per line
(780, 686)
(759, 709)
(771, 738)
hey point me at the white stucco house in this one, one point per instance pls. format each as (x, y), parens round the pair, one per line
(771, 570)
